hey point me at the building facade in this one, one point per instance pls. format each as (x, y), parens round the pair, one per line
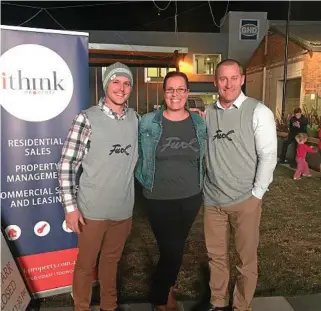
(243, 37)
(240, 35)
(265, 70)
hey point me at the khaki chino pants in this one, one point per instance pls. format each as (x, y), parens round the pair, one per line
(244, 218)
(108, 238)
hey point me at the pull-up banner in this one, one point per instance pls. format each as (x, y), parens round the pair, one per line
(43, 85)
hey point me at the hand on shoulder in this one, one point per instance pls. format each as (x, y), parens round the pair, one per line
(198, 111)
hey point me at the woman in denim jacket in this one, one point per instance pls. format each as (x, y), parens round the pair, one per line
(170, 168)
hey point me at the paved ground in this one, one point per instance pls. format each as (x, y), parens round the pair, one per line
(298, 303)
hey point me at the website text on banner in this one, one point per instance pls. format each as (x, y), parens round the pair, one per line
(44, 84)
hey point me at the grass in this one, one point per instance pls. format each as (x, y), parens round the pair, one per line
(289, 251)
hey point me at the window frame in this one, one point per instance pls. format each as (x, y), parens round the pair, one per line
(160, 78)
(195, 66)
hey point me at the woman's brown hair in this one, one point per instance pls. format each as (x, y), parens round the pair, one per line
(173, 74)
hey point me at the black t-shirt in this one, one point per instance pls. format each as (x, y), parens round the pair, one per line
(303, 125)
(177, 162)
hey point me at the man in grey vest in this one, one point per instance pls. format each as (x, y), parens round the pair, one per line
(103, 139)
(241, 157)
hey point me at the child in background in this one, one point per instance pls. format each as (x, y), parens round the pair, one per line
(301, 151)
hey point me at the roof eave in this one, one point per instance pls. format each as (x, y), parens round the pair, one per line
(298, 40)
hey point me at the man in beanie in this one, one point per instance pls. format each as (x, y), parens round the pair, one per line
(103, 139)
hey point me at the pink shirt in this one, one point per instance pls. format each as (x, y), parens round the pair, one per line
(302, 150)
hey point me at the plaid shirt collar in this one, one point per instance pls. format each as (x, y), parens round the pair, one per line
(109, 112)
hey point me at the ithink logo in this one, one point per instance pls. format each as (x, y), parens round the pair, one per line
(36, 83)
(19, 82)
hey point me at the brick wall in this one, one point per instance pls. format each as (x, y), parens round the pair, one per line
(257, 59)
(276, 45)
(311, 81)
(254, 85)
(300, 63)
(274, 84)
(311, 74)
(275, 51)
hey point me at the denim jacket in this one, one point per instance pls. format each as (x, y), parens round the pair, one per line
(149, 134)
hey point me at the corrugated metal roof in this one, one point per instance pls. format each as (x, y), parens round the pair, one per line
(308, 34)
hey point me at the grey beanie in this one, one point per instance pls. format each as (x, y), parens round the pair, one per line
(114, 70)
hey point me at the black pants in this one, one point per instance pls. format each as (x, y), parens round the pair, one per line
(171, 221)
(286, 143)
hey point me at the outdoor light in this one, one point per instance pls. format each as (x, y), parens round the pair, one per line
(312, 96)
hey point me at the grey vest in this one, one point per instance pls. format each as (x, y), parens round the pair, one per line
(106, 186)
(231, 158)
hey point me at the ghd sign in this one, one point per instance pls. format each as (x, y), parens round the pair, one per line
(249, 29)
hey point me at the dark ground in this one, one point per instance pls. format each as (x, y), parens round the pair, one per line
(289, 252)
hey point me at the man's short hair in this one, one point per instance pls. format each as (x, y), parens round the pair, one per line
(229, 62)
(297, 110)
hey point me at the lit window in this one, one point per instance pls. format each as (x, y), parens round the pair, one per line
(156, 74)
(153, 73)
(205, 64)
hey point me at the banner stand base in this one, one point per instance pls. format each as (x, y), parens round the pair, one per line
(52, 292)
(34, 305)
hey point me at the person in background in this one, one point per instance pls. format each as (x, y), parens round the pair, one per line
(301, 152)
(298, 124)
(103, 139)
(241, 156)
(170, 169)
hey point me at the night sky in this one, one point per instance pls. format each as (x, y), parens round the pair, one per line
(193, 16)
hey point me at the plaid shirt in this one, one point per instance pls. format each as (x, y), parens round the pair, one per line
(75, 148)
